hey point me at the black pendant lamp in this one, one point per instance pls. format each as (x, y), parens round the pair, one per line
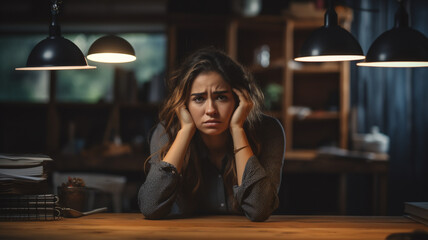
(330, 43)
(111, 49)
(401, 46)
(55, 52)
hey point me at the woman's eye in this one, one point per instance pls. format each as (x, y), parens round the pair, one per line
(222, 97)
(198, 99)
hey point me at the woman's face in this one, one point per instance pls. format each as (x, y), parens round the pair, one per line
(211, 103)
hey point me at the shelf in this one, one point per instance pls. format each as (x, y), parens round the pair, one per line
(251, 22)
(79, 162)
(274, 65)
(86, 106)
(319, 115)
(301, 155)
(310, 162)
(302, 68)
(312, 23)
(78, 105)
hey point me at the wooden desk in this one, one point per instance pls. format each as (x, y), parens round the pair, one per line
(133, 226)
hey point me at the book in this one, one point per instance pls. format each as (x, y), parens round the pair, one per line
(23, 186)
(43, 207)
(24, 173)
(25, 156)
(30, 167)
(418, 209)
(22, 159)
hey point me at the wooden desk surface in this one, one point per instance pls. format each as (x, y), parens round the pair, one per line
(134, 226)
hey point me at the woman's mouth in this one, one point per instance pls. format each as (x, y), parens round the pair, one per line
(211, 123)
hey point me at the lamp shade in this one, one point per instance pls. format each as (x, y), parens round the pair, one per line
(330, 43)
(401, 46)
(111, 49)
(56, 53)
(398, 47)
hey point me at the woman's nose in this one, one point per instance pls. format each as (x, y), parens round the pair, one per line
(211, 108)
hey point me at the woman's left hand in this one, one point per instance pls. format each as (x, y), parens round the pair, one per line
(243, 109)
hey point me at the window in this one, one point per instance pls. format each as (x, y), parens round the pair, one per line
(21, 85)
(77, 85)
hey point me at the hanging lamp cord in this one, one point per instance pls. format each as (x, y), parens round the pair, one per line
(54, 29)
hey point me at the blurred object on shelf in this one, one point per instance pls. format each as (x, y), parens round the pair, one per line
(74, 145)
(273, 96)
(262, 56)
(125, 86)
(294, 65)
(108, 149)
(346, 154)
(372, 142)
(247, 8)
(157, 88)
(304, 9)
(299, 111)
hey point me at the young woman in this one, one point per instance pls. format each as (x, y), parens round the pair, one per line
(213, 151)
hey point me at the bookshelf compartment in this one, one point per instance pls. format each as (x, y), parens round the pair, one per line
(192, 35)
(85, 123)
(317, 91)
(136, 127)
(252, 36)
(312, 134)
(270, 81)
(23, 127)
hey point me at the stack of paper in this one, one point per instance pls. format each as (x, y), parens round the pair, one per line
(23, 173)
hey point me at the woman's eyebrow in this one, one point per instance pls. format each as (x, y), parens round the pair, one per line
(198, 94)
(204, 93)
(221, 92)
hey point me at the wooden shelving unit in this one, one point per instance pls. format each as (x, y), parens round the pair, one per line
(29, 128)
(321, 87)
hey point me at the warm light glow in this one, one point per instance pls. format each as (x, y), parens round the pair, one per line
(56, 68)
(111, 57)
(330, 58)
(394, 64)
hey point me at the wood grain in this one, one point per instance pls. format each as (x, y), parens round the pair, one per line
(134, 226)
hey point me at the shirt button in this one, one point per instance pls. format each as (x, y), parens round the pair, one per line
(222, 205)
(219, 176)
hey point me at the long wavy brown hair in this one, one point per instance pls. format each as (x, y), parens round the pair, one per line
(179, 85)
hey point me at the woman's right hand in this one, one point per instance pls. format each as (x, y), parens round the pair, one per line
(177, 152)
(186, 119)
